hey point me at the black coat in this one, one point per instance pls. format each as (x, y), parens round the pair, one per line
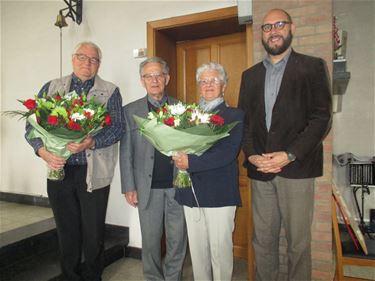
(301, 116)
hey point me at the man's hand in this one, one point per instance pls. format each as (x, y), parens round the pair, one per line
(132, 198)
(270, 162)
(88, 142)
(53, 161)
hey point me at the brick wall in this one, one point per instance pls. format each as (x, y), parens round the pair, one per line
(313, 20)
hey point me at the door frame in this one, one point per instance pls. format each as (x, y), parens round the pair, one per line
(161, 41)
(162, 36)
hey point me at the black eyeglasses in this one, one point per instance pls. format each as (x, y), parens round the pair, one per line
(83, 57)
(277, 25)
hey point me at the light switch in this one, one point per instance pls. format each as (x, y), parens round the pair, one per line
(140, 53)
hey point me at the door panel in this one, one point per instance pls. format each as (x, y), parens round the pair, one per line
(230, 51)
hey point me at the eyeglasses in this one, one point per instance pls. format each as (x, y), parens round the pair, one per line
(206, 82)
(151, 76)
(277, 25)
(83, 57)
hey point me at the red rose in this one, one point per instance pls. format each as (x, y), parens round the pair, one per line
(108, 120)
(77, 102)
(217, 120)
(74, 126)
(52, 119)
(30, 104)
(165, 109)
(58, 98)
(169, 122)
(87, 114)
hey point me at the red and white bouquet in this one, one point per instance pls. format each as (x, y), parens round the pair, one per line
(182, 127)
(60, 119)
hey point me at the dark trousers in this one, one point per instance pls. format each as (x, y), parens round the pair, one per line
(80, 222)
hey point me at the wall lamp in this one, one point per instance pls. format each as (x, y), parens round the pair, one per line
(74, 11)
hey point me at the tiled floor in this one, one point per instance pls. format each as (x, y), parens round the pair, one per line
(131, 269)
(14, 215)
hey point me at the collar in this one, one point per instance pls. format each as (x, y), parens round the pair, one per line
(268, 62)
(76, 80)
(157, 103)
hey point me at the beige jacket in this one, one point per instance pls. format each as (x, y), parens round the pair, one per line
(101, 162)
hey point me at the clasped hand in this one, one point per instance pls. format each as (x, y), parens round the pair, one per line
(270, 162)
(74, 147)
(56, 162)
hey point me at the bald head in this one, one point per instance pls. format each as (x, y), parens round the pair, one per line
(278, 13)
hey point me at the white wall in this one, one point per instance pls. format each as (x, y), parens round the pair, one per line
(30, 57)
(354, 126)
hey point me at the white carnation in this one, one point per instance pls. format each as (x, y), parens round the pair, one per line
(91, 111)
(77, 116)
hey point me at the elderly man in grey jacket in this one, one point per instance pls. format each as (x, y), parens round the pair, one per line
(146, 180)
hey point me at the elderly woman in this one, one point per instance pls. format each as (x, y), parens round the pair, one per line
(210, 205)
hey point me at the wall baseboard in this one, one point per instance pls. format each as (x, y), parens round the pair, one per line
(40, 201)
(133, 252)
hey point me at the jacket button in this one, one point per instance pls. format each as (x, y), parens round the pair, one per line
(150, 176)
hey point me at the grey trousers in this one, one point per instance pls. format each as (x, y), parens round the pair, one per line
(163, 212)
(290, 201)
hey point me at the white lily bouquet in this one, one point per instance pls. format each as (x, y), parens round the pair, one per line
(182, 127)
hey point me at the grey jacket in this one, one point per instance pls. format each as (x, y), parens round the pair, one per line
(137, 154)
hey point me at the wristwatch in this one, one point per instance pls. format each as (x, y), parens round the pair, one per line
(291, 156)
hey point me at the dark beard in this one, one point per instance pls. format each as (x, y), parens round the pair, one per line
(278, 50)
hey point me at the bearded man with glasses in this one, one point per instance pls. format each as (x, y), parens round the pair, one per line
(147, 180)
(287, 102)
(79, 201)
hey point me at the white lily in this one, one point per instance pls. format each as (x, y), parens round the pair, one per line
(177, 109)
(177, 122)
(200, 117)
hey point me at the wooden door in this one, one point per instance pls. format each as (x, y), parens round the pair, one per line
(230, 51)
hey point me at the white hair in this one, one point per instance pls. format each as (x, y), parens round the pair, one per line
(91, 44)
(212, 66)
